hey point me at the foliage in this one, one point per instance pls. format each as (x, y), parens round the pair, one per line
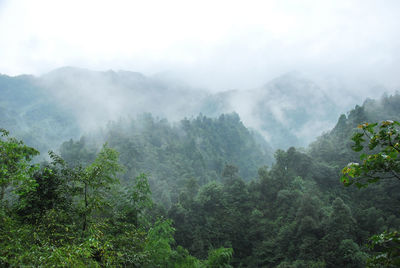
(31, 114)
(205, 210)
(383, 162)
(160, 238)
(15, 167)
(69, 217)
(219, 257)
(376, 165)
(387, 249)
(196, 148)
(140, 201)
(95, 181)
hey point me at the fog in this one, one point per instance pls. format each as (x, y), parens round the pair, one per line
(96, 98)
(186, 52)
(218, 45)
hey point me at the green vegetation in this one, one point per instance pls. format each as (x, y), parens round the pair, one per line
(381, 162)
(205, 193)
(31, 114)
(60, 216)
(377, 165)
(194, 149)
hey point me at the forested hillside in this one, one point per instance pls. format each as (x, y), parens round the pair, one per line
(286, 110)
(200, 134)
(199, 192)
(296, 213)
(290, 110)
(174, 154)
(31, 114)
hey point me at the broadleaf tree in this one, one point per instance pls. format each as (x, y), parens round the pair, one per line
(380, 161)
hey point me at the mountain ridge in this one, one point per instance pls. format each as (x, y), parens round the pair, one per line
(290, 110)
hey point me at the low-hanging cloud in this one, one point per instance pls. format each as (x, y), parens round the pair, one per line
(219, 45)
(348, 48)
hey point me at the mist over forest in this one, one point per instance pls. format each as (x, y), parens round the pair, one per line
(187, 134)
(290, 110)
(221, 163)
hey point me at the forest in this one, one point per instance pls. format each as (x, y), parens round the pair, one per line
(200, 134)
(203, 191)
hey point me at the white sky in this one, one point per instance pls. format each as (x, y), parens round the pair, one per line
(211, 43)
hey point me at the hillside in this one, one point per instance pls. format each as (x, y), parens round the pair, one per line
(31, 114)
(194, 149)
(290, 110)
(212, 194)
(297, 213)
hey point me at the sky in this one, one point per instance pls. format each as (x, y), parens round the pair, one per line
(216, 44)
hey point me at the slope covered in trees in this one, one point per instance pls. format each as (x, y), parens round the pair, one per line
(217, 197)
(290, 110)
(31, 114)
(54, 215)
(297, 213)
(194, 149)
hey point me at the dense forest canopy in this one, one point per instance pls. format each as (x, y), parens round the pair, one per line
(196, 149)
(199, 133)
(290, 110)
(201, 191)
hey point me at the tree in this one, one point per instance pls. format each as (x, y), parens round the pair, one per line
(387, 245)
(220, 257)
(382, 161)
(96, 180)
(78, 152)
(53, 191)
(230, 172)
(15, 167)
(340, 227)
(136, 200)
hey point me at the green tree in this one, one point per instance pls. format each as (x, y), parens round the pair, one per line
(381, 161)
(78, 152)
(340, 226)
(15, 167)
(220, 257)
(53, 191)
(136, 201)
(95, 181)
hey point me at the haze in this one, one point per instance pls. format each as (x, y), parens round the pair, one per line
(218, 45)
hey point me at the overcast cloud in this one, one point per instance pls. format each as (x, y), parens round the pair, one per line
(214, 44)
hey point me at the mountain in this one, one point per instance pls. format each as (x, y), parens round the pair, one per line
(291, 110)
(32, 115)
(198, 148)
(67, 102)
(334, 146)
(207, 174)
(98, 97)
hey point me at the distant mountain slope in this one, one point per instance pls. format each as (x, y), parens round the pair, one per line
(334, 147)
(290, 110)
(68, 102)
(98, 97)
(172, 154)
(29, 113)
(293, 109)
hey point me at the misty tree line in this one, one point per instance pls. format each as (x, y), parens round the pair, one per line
(208, 200)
